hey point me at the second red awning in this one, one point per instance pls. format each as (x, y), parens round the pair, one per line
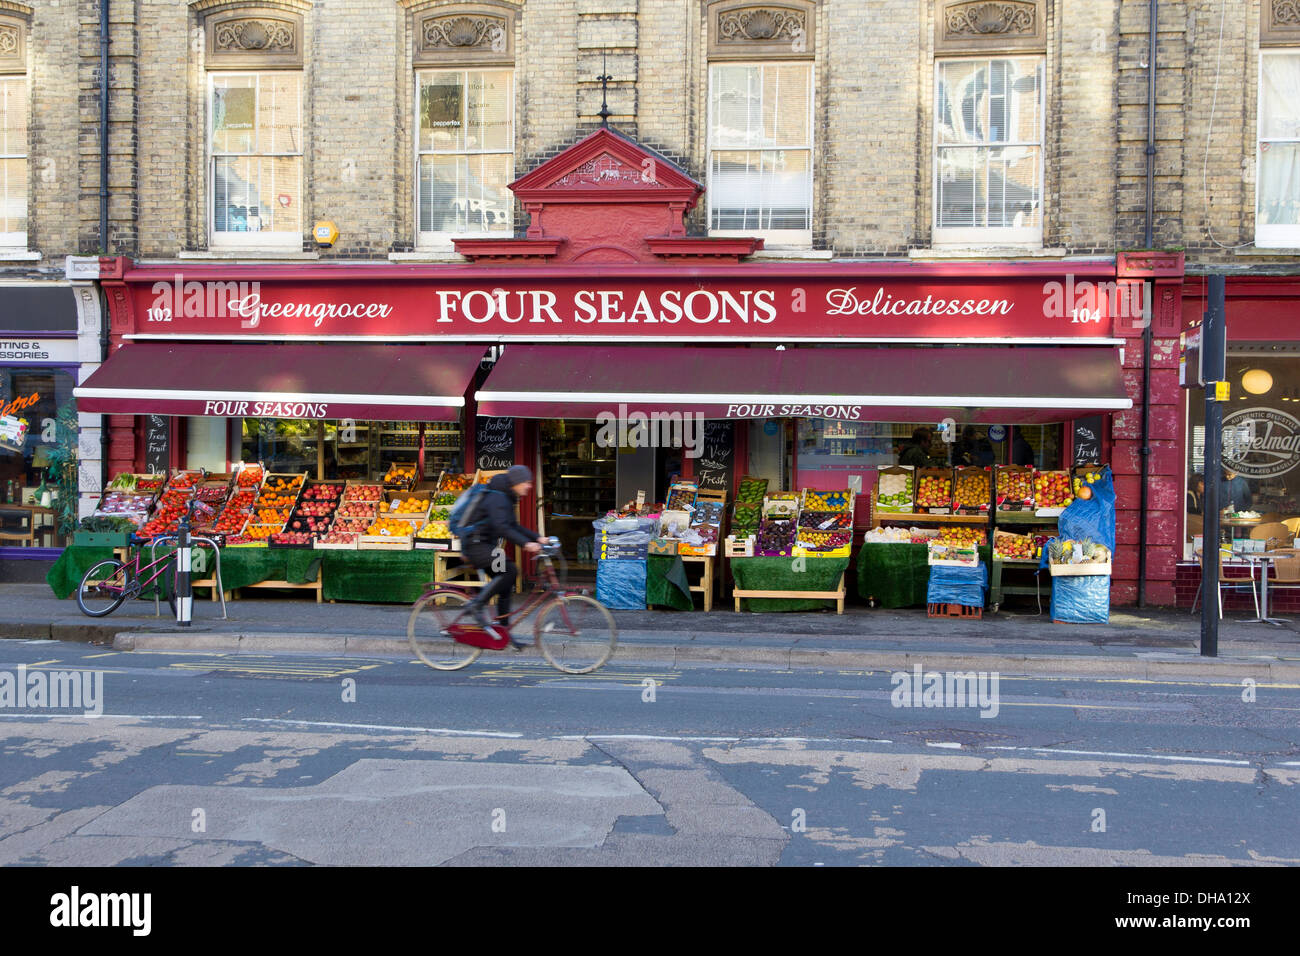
(1012, 385)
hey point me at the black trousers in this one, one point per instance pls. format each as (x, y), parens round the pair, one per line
(502, 585)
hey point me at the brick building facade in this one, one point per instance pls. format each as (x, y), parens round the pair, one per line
(884, 123)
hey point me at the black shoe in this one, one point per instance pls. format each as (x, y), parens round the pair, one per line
(479, 613)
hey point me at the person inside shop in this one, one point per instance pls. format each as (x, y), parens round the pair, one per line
(1234, 492)
(1022, 453)
(917, 451)
(480, 547)
(1195, 494)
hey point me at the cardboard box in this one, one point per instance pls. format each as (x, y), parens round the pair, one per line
(943, 474)
(908, 472)
(1001, 473)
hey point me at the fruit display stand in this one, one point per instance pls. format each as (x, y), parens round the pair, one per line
(1012, 554)
(788, 583)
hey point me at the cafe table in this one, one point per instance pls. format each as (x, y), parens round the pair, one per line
(1264, 559)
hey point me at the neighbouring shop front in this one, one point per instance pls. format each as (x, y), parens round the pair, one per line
(617, 368)
(38, 418)
(1260, 489)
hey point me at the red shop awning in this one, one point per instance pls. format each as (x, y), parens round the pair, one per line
(410, 383)
(989, 385)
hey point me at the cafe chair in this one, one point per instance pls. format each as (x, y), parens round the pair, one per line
(18, 524)
(1272, 531)
(1286, 571)
(1230, 584)
(1292, 525)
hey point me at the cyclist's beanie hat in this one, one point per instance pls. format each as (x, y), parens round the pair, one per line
(517, 474)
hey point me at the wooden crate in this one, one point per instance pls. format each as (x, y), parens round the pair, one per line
(1079, 570)
(322, 546)
(386, 542)
(482, 476)
(744, 548)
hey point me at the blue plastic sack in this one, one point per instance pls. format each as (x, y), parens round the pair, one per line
(957, 585)
(1081, 599)
(1091, 519)
(621, 584)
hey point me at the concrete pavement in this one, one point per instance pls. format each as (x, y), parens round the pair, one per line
(1147, 644)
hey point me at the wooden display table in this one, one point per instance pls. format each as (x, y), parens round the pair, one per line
(449, 567)
(780, 578)
(705, 586)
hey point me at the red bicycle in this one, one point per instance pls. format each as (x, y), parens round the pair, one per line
(574, 632)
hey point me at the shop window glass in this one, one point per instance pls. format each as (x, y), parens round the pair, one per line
(13, 161)
(760, 150)
(352, 449)
(29, 403)
(1261, 439)
(466, 147)
(256, 150)
(988, 119)
(1277, 193)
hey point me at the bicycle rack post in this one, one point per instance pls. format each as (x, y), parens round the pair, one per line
(184, 596)
(220, 590)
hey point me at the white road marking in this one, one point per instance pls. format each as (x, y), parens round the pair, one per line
(947, 744)
(113, 716)
(418, 730)
(724, 740)
(1106, 753)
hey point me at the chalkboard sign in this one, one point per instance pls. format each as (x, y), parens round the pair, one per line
(494, 443)
(1087, 440)
(157, 444)
(715, 468)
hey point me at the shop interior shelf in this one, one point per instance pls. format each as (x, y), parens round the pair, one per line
(1026, 517)
(892, 518)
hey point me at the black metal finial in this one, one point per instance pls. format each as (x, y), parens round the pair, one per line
(604, 89)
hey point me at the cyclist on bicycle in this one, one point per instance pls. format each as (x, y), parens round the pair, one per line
(482, 548)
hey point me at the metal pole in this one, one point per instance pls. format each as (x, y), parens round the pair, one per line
(1215, 320)
(184, 595)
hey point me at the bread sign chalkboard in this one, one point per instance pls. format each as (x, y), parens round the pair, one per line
(715, 468)
(157, 444)
(494, 443)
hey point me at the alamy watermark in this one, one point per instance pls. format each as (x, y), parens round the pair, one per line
(1084, 301)
(947, 689)
(52, 690)
(636, 429)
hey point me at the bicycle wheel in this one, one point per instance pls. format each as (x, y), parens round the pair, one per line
(103, 588)
(426, 629)
(576, 634)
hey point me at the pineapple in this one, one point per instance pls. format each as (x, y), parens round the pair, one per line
(1055, 551)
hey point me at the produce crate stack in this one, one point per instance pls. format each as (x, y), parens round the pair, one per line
(172, 504)
(825, 524)
(232, 518)
(275, 503)
(895, 490)
(776, 533)
(358, 508)
(401, 476)
(972, 490)
(746, 516)
(310, 521)
(706, 523)
(621, 545)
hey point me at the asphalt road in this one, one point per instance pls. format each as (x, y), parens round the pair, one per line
(202, 758)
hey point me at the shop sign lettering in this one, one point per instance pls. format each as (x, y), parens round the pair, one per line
(1261, 442)
(847, 413)
(846, 302)
(266, 409)
(18, 404)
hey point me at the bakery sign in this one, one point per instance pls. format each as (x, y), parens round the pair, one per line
(1261, 442)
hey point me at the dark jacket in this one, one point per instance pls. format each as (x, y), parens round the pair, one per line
(497, 514)
(914, 455)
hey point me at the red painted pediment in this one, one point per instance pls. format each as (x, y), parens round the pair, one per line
(607, 167)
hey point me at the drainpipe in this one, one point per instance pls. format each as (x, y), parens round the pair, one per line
(103, 125)
(1148, 306)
